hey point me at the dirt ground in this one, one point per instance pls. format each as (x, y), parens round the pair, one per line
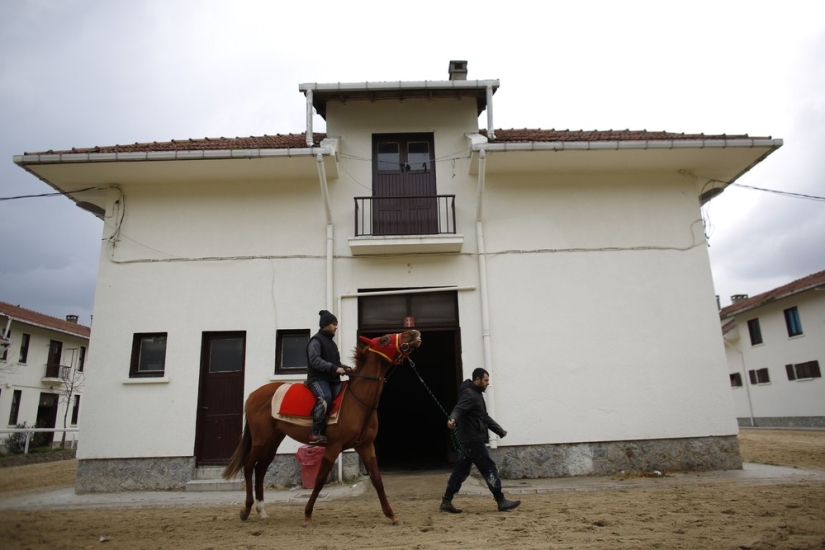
(721, 514)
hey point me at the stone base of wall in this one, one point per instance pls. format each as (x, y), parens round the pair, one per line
(133, 474)
(783, 422)
(606, 458)
(165, 474)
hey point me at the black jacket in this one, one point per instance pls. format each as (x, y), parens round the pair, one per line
(323, 358)
(470, 415)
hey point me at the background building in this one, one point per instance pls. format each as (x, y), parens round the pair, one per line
(42, 370)
(775, 343)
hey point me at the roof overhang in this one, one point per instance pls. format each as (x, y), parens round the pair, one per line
(86, 177)
(721, 161)
(375, 91)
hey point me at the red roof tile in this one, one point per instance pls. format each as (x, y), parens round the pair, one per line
(296, 141)
(24, 315)
(795, 287)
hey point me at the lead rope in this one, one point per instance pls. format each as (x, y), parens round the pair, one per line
(454, 431)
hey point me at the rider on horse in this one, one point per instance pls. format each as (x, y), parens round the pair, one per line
(324, 370)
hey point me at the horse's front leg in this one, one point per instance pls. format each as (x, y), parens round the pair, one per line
(323, 472)
(367, 454)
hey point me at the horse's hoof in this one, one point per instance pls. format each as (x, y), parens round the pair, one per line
(244, 515)
(398, 522)
(307, 524)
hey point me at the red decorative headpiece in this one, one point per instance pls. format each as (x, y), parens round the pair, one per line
(390, 349)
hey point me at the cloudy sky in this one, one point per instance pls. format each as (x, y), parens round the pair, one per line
(80, 73)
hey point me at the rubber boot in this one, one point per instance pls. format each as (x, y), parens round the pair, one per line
(447, 504)
(505, 505)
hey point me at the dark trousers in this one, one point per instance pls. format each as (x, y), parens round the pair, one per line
(474, 453)
(324, 393)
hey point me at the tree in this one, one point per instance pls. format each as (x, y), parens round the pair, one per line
(73, 381)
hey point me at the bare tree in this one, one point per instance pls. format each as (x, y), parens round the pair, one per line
(73, 381)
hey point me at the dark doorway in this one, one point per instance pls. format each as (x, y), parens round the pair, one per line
(412, 431)
(46, 417)
(220, 399)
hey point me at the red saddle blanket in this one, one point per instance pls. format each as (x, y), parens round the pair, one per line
(295, 399)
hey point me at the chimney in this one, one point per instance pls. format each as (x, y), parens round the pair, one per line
(71, 318)
(738, 298)
(458, 70)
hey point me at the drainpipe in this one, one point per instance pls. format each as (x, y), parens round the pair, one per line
(491, 134)
(330, 239)
(310, 140)
(482, 280)
(322, 175)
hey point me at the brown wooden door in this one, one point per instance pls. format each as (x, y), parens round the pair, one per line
(404, 188)
(221, 397)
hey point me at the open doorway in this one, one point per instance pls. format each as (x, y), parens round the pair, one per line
(412, 431)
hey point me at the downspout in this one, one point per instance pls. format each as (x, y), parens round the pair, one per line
(745, 380)
(482, 281)
(491, 134)
(330, 239)
(309, 136)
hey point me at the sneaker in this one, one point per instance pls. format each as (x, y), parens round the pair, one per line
(318, 440)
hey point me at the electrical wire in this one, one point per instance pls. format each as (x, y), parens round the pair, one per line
(55, 194)
(784, 193)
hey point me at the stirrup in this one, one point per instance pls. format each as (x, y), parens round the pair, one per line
(319, 440)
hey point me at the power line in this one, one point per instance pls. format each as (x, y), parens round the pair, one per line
(48, 194)
(785, 193)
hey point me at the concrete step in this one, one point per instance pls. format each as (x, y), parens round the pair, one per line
(208, 478)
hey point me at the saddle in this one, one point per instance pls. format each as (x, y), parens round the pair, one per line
(293, 403)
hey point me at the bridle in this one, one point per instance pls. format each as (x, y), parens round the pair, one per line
(400, 352)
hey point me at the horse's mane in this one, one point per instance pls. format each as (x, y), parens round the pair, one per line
(359, 356)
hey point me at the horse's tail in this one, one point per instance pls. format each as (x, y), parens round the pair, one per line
(236, 463)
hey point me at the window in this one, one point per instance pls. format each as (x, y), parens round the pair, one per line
(15, 407)
(803, 371)
(24, 348)
(75, 410)
(736, 380)
(755, 331)
(291, 351)
(5, 354)
(792, 322)
(148, 355)
(53, 362)
(759, 376)
(81, 359)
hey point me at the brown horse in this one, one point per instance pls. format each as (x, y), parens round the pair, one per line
(356, 428)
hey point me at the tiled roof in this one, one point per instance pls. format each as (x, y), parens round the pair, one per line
(297, 141)
(24, 315)
(795, 287)
(526, 134)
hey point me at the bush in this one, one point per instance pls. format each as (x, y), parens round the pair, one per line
(16, 443)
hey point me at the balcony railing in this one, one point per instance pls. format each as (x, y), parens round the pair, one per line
(57, 371)
(405, 215)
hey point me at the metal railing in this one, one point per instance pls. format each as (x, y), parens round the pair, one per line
(405, 215)
(57, 371)
(30, 431)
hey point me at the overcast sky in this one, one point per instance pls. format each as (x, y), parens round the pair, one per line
(80, 73)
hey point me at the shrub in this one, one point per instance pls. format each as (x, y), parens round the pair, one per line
(16, 443)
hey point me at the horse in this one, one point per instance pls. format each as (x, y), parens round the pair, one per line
(356, 428)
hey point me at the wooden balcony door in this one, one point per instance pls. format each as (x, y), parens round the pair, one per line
(403, 185)
(221, 397)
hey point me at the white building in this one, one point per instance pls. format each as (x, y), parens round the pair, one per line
(42, 369)
(775, 343)
(571, 265)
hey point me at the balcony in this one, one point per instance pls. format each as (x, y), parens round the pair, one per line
(405, 224)
(55, 375)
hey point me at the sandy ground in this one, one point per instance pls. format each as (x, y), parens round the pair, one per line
(708, 515)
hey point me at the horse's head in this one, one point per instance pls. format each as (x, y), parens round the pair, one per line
(393, 347)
